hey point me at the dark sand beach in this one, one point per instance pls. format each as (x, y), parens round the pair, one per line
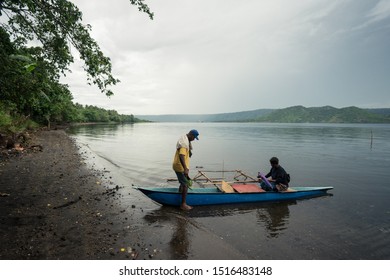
(53, 207)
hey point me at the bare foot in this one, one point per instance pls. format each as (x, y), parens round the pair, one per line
(185, 207)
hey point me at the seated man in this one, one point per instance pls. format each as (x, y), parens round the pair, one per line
(279, 177)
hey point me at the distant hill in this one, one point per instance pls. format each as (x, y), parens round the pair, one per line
(380, 111)
(326, 114)
(225, 117)
(295, 114)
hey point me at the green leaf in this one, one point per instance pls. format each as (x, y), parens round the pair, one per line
(30, 67)
(42, 94)
(20, 57)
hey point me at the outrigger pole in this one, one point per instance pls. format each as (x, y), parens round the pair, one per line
(239, 177)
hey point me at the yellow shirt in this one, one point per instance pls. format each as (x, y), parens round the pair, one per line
(177, 166)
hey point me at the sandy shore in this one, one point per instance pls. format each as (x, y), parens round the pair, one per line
(53, 207)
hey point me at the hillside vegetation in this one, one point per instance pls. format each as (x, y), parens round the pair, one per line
(295, 114)
(327, 114)
(224, 117)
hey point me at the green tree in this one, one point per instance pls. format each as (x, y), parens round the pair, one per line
(57, 24)
(28, 87)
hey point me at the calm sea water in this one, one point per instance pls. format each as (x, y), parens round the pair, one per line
(351, 223)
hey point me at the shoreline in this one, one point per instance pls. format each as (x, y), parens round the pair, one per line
(54, 207)
(60, 207)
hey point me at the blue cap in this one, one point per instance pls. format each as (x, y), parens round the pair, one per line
(195, 133)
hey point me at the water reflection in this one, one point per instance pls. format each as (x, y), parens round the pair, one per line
(98, 130)
(180, 243)
(275, 217)
(271, 218)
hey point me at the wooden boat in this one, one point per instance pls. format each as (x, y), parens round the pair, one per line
(215, 196)
(242, 189)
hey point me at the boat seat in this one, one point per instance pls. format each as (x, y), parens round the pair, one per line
(226, 188)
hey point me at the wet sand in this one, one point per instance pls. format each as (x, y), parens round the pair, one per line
(53, 206)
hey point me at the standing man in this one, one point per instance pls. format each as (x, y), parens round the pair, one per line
(181, 163)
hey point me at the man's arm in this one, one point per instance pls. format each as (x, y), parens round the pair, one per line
(183, 163)
(280, 176)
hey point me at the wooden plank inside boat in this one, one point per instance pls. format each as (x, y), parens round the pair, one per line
(225, 187)
(247, 188)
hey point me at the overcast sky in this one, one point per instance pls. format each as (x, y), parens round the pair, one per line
(220, 56)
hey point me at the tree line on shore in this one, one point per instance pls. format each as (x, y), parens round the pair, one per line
(31, 94)
(35, 51)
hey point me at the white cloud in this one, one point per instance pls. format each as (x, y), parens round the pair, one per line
(380, 11)
(221, 56)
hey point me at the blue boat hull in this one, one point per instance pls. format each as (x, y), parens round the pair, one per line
(213, 196)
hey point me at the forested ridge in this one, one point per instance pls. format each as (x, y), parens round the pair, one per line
(294, 114)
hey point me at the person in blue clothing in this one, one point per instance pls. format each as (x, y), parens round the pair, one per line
(279, 178)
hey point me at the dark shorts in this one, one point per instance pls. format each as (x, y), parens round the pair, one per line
(182, 178)
(267, 188)
(278, 187)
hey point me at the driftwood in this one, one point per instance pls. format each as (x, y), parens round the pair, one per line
(68, 203)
